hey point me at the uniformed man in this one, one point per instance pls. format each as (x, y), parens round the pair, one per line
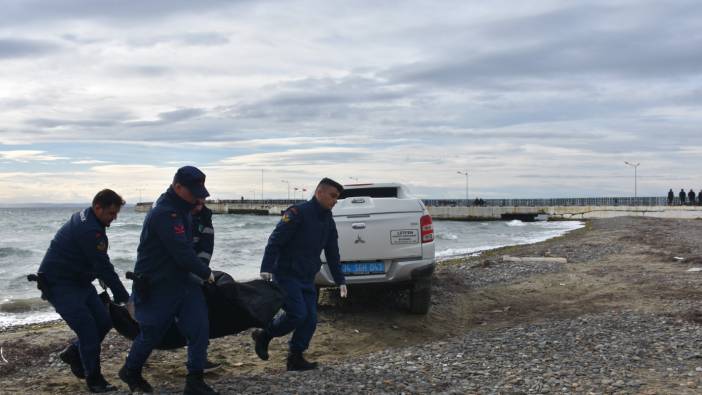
(292, 259)
(164, 291)
(76, 256)
(203, 241)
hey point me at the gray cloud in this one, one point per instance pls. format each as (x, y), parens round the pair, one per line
(170, 117)
(55, 123)
(29, 11)
(120, 123)
(571, 43)
(144, 70)
(21, 48)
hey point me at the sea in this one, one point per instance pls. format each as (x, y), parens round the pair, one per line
(25, 234)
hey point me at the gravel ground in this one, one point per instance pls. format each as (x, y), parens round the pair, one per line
(616, 352)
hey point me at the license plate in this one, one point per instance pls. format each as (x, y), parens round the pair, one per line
(361, 268)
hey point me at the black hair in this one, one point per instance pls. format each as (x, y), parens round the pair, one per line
(331, 183)
(107, 198)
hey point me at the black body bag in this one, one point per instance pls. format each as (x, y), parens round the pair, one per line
(232, 306)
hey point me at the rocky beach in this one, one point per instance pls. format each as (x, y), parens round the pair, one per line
(622, 316)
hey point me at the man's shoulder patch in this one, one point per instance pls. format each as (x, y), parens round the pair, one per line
(289, 214)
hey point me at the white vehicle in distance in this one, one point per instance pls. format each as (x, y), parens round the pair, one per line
(386, 238)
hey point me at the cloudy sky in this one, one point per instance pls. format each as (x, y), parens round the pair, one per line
(534, 99)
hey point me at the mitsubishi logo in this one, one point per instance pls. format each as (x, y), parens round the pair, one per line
(359, 239)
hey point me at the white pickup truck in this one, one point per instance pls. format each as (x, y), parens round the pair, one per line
(385, 237)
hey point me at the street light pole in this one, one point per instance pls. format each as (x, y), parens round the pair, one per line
(287, 182)
(635, 166)
(465, 173)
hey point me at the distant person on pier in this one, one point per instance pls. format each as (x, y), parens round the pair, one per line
(682, 195)
(671, 197)
(691, 197)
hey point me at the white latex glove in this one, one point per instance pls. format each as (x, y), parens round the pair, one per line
(211, 280)
(266, 276)
(343, 292)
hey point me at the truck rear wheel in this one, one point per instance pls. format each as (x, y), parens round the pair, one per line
(420, 296)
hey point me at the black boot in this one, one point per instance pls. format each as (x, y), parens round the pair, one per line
(135, 381)
(71, 356)
(195, 385)
(297, 362)
(97, 384)
(262, 340)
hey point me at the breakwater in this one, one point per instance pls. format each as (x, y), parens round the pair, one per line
(448, 209)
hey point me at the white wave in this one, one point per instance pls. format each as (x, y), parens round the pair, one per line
(562, 225)
(455, 252)
(472, 251)
(8, 320)
(515, 222)
(446, 236)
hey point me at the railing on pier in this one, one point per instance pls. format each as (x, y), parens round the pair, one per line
(599, 201)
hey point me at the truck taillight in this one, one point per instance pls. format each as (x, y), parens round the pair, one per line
(427, 228)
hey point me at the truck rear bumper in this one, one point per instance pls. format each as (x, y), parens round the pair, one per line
(395, 273)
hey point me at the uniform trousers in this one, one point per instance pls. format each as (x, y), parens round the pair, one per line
(186, 306)
(87, 316)
(299, 313)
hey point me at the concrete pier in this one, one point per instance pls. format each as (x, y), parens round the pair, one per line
(480, 213)
(563, 212)
(235, 207)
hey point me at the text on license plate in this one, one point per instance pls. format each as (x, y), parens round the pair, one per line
(360, 268)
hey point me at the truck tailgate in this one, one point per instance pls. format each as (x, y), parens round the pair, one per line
(372, 229)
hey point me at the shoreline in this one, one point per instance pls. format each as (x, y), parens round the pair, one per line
(440, 259)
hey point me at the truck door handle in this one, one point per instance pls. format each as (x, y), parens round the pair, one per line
(358, 225)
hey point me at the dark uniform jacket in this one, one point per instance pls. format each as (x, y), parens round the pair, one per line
(165, 254)
(297, 241)
(203, 235)
(78, 254)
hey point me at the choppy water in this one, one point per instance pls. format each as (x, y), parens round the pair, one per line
(25, 234)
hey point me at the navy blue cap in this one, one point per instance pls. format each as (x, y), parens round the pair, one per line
(192, 178)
